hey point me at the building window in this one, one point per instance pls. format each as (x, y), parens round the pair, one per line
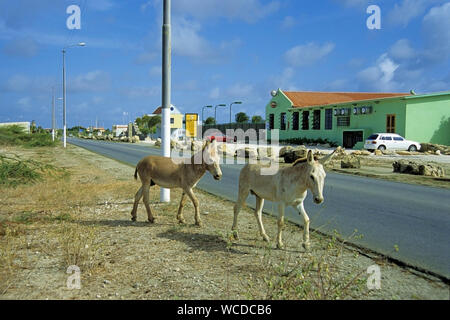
(172, 120)
(316, 120)
(328, 119)
(295, 121)
(283, 121)
(390, 123)
(271, 121)
(343, 121)
(305, 120)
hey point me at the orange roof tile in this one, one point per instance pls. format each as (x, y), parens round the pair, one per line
(157, 110)
(309, 99)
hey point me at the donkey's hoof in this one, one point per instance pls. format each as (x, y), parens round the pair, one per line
(151, 220)
(181, 221)
(280, 245)
(133, 219)
(199, 223)
(235, 235)
(266, 238)
(306, 246)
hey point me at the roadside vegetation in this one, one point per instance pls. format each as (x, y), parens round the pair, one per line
(84, 220)
(15, 136)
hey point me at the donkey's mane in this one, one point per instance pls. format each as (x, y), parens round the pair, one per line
(303, 160)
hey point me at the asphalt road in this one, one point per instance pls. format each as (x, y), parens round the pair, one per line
(414, 218)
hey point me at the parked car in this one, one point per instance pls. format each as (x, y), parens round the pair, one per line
(220, 137)
(392, 141)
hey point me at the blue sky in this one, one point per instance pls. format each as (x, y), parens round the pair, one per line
(223, 51)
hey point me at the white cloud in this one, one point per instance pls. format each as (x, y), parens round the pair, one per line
(21, 47)
(288, 22)
(305, 55)
(402, 50)
(145, 57)
(187, 41)
(380, 76)
(92, 81)
(249, 10)
(407, 10)
(101, 5)
(240, 91)
(214, 93)
(436, 30)
(24, 102)
(156, 71)
(141, 92)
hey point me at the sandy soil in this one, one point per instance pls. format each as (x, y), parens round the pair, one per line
(83, 218)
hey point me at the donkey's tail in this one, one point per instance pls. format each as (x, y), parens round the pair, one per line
(135, 174)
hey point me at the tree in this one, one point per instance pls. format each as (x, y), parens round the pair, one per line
(257, 119)
(210, 121)
(241, 117)
(153, 121)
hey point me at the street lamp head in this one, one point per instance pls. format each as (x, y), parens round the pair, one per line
(82, 44)
(221, 105)
(208, 106)
(237, 102)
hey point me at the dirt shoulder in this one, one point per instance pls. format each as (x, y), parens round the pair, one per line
(83, 219)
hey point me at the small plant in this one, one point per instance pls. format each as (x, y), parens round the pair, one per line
(319, 274)
(15, 171)
(79, 247)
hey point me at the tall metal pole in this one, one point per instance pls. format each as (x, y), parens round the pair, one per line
(166, 83)
(53, 113)
(64, 97)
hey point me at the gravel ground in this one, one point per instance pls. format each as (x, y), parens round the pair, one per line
(87, 216)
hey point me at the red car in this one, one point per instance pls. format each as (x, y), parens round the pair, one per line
(220, 137)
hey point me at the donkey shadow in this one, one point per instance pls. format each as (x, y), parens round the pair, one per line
(200, 241)
(116, 223)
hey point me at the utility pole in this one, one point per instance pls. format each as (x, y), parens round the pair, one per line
(53, 113)
(166, 83)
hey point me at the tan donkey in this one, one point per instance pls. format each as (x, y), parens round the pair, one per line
(288, 187)
(166, 173)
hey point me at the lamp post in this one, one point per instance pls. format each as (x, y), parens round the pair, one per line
(202, 112)
(81, 44)
(215, 111)
(236, 102)
(166, 89)
(53, 113)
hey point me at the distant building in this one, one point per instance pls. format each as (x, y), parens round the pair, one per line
(176, 122)
(118, 129)
(349, 118)
(25, 125)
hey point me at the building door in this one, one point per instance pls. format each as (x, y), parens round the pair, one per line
(350, 138)
(390, 123)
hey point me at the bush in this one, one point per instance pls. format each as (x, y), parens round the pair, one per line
(15, 136)
(15, 171)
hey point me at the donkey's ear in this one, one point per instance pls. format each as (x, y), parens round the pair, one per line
(310, 157)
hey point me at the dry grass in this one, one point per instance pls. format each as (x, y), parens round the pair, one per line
(83, 219)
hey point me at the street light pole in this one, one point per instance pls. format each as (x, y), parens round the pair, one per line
(81, 44)
(166, 90)
(53, 113)
(202, 112)
(215, 111)
(236, 102)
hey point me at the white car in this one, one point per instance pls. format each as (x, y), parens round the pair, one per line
(393, 141)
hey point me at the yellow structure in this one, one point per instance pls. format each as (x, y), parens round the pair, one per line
(191, 125)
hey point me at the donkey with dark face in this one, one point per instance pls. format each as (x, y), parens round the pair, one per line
(166, 173)
(288, 187)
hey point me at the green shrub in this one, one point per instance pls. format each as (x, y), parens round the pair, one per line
(15, 136)
(15, 171)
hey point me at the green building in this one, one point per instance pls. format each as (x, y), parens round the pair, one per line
(348, 118)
